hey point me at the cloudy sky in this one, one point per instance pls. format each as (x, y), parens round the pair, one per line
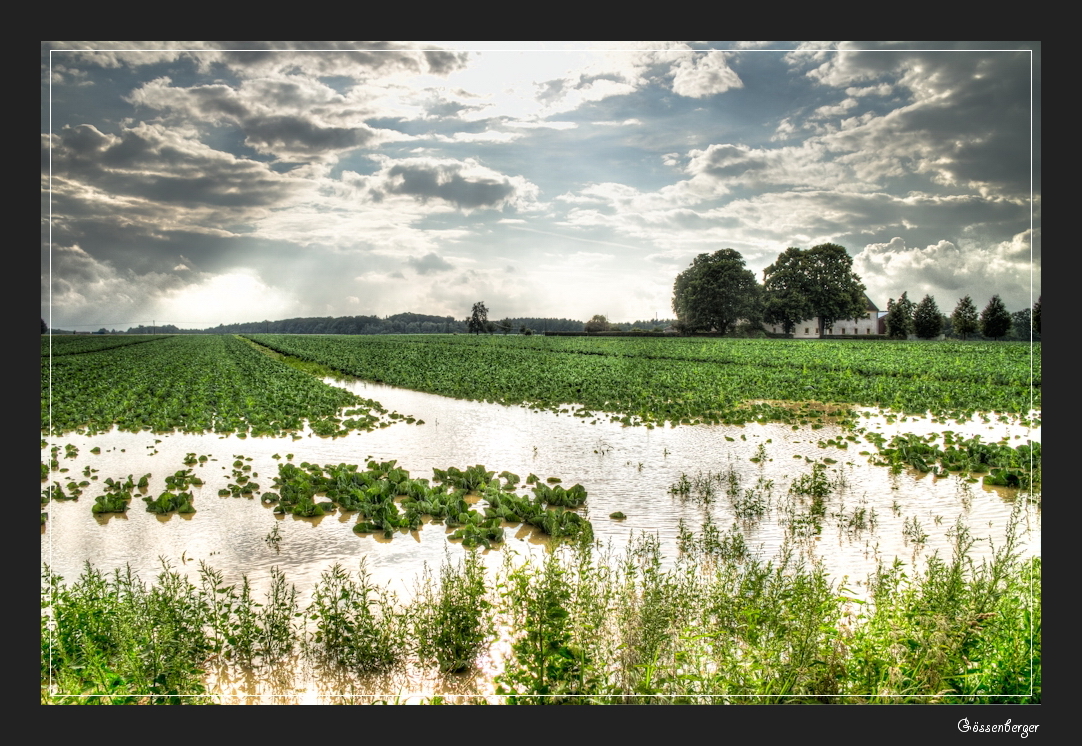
(198, 183)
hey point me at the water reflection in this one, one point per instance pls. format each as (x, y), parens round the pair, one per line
(625, 469)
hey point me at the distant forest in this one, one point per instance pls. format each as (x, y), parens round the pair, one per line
(402, 323)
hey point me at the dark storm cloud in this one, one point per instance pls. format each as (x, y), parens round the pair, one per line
(149, 163)
(966, 118)
(428, 182)
(302, 136)
(260, 57)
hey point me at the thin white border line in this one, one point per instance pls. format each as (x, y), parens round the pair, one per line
(835, 50)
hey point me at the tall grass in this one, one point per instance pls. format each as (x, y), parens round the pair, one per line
(584, 624)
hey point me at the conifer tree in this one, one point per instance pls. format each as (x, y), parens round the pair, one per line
(927, 323)
(995, 318)
(964, 318)
(900, 317)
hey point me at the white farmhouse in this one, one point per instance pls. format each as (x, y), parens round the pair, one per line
(870, 323)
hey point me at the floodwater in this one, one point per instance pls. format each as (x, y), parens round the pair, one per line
(626, 469)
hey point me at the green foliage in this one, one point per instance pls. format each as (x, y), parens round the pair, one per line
(1037, 316)
(547, 663)
(1022, 327)
(478, 320)
(900, 317)
(655, 381)
(787, 300)
(584, 625)
(817, 282)
(120, 642)
(995, 318)
(715, 292)
(356, 623)
(193, 384)
(927, 322)
(964, 318)
(597, 323)
(453, 620)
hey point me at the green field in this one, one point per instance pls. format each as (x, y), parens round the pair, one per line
(687, 380)
(196, 383)
(584, 624)
(189, 384)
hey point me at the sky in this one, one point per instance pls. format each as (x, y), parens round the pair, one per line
(206, 183)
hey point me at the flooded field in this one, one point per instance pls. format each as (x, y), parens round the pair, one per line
(816, 494)
(632, 470)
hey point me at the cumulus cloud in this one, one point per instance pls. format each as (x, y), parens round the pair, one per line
(149, 162)
(686, 72)
(289, 117)
(430, 264)
(361, 59)
(466, 185)
(977, 97)
(704, 74)
(948, 270)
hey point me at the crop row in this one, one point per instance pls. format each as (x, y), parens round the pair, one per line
(195, 384)
(388, 500)
(724, 381)
(981, 362)
(77, 344)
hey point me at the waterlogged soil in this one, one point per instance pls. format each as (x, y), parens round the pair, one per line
(870, 513)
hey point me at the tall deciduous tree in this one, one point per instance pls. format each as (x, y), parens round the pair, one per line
(1037, 316)
(900, 317)
(597, 324)
(927, 322)
(837, 292)
(786, 300)
(44, 326)
(995, 318)
(964, 318)
(715, 292)
(478, 320)
(817, 282)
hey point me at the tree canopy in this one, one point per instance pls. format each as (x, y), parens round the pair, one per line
(1037, 316)
(715, 292)
(995, 318)
(786, 298)
(900, 317)
(597, 324)
(964, 318)
(927, 322)
(478, 320)
(817, 282)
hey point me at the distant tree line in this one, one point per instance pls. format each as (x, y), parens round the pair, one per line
(925, 321)
(402, 323)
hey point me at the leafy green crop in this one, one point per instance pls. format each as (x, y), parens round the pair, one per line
(683, 380)
(194, 384)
